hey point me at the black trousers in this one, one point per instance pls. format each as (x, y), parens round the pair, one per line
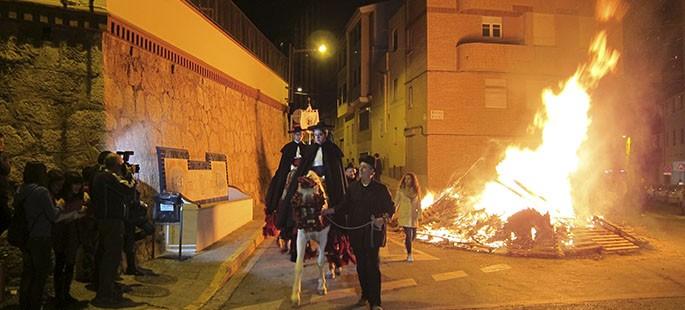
(37, 262)
(369, 272)
(130, 246)
(111, 234)
(65, 244)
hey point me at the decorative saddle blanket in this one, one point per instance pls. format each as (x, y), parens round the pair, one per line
(308, 202)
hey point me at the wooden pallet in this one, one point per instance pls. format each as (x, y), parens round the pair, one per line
(609, 241)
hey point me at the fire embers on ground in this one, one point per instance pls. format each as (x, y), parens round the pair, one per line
(449, 223)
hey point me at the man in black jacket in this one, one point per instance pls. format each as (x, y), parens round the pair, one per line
(367, 201)
(109, 194)
(291, 153)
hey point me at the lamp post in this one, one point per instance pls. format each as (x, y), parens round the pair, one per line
(321, 49)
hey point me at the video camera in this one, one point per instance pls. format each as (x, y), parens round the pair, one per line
(132, 168)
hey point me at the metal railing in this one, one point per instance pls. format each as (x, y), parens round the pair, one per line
(228, 16)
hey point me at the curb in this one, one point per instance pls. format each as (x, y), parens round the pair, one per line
(228, 268)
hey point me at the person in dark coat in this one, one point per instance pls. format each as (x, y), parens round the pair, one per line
(367, 201)
(291, 152)
(66, 238)
(109, 195)
(325, 158)
(41, 213)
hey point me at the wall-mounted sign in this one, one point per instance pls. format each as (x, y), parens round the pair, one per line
(437, 114)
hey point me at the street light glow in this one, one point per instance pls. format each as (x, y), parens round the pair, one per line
(299, 89)
(322, 48)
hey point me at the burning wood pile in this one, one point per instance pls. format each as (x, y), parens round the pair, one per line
(449, 223)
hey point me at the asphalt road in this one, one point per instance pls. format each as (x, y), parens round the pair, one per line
(456, 279)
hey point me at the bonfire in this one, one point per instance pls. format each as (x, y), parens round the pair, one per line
(528, 207)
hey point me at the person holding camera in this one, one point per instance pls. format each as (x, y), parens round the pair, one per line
(110, 193)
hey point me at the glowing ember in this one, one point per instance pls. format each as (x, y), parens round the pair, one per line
(427, 200)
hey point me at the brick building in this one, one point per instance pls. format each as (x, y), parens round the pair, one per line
(450, 80)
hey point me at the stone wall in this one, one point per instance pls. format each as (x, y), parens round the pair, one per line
(150, 102)
(51, 94)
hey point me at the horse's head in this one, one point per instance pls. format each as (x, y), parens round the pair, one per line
(309, 186)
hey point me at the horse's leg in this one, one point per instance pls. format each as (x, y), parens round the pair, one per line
(322, 239)
(301, 243)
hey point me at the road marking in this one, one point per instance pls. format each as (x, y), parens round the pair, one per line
(449, 275)
(353, 291)
(418, 254)
(266, 305)
(495, 268)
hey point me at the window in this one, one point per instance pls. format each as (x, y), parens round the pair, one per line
(410, 97)
(496, 93)
(497, 31)
(393, 41)
(394, 89)
(364, 119)
(492, 27)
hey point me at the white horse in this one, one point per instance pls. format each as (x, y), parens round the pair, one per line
(308, 202)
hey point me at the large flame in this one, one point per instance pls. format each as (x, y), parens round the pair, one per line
(540, 178)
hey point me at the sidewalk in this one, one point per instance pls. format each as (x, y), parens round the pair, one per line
(187, 284)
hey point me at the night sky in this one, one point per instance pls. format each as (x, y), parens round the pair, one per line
(279, 19)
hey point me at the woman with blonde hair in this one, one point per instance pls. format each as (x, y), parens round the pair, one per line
(408, 204)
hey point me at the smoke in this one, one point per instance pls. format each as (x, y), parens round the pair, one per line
(627, 105)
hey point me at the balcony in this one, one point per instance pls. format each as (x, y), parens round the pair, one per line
(343, 110)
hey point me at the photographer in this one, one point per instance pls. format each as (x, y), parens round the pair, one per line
(137, 218)
(110, 193)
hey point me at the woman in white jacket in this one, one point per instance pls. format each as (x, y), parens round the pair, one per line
(408, 212)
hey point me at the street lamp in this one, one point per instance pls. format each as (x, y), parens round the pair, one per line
(321, 49)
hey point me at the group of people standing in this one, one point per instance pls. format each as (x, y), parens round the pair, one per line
(359, 207)
(72, 212)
